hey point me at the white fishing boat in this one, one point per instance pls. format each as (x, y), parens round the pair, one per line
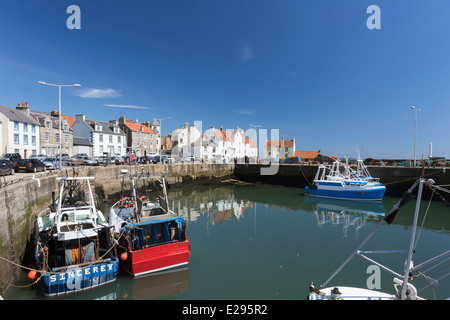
(403, 288)
(73, 247)
(340, 181)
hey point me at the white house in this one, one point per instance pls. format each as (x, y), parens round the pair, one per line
(278, 149)
(104, 136)
(188, 141)
(19, 132)
(212, 145)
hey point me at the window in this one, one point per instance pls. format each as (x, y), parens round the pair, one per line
(33, 128)
(119, 150)
(16, 126)
(33, 152)
(16, 138)
(47, 124)
(118, 139)
(25, 139)
(33, 140)
(110, 138)
(66, 138)
(25, 127)
(47, 136)
(100, 138)
(57, 137)
(65, 127)
(100, 148)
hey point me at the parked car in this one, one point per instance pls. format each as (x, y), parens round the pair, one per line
(6, 167)
(159, 159)
(13, 157)
(84, 160)
(102, 160)
(117, 160)
(32, 165)
(74, 161)
(51, 163)
(169, 160)
(64, 156)
(38, 156)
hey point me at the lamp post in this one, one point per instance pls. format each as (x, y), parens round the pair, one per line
(257, 151)
(59, 111)
(415, 131)
(160, 134)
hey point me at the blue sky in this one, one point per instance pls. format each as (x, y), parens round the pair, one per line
(311, 69)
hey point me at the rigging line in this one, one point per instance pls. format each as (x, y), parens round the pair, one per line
(304, 175)
(432, 267)
(423, 221)
(426, 175)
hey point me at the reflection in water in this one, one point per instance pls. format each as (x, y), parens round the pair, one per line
(228, 204)
(266, 242)
(345, 213)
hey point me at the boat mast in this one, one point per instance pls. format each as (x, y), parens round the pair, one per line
(413, 236)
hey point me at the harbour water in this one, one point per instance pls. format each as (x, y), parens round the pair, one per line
(270, 242)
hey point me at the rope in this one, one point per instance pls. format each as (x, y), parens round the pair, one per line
(304, 175)
(42, 272)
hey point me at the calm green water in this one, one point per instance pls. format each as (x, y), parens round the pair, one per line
(270, 242)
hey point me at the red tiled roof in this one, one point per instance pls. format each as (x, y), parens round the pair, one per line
(70, 120)
(307, 154)
(277, 143)
(137, 127)
(223, 135)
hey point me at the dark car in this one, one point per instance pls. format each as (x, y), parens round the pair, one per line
(13, 157)
(32, 165)
(6, 167)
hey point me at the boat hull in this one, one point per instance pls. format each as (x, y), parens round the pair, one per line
(157, 258)
(352, 293)
(80, 278)
(363, 194)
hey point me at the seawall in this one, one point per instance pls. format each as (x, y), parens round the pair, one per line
(22, 199)
(396, 179)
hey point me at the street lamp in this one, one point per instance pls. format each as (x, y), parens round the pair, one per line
(59, 87)
(257, 147)
(160, 134)
(415, 131)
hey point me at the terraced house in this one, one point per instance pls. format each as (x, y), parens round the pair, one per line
(104, 136)
(19, 132)
(141, 137)
(49, 133)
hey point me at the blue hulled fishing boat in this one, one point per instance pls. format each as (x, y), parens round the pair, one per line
(332, 182)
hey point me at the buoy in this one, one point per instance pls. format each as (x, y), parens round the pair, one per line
(33, 275)
(124, 256)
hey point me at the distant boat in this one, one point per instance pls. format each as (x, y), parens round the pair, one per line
(402, 280)
(150, 236)
(74, 250)
(330, 182)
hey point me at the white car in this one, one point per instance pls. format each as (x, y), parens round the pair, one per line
(51, 163)
(169, 160)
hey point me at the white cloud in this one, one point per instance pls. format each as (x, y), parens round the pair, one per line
(246, 53)
(125, 106)
(246, 112)
(293, 73)
(98, 93)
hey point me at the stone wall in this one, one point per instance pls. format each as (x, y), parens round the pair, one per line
(20, 202)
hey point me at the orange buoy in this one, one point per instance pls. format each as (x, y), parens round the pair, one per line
(124, 256)
(33, 275)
